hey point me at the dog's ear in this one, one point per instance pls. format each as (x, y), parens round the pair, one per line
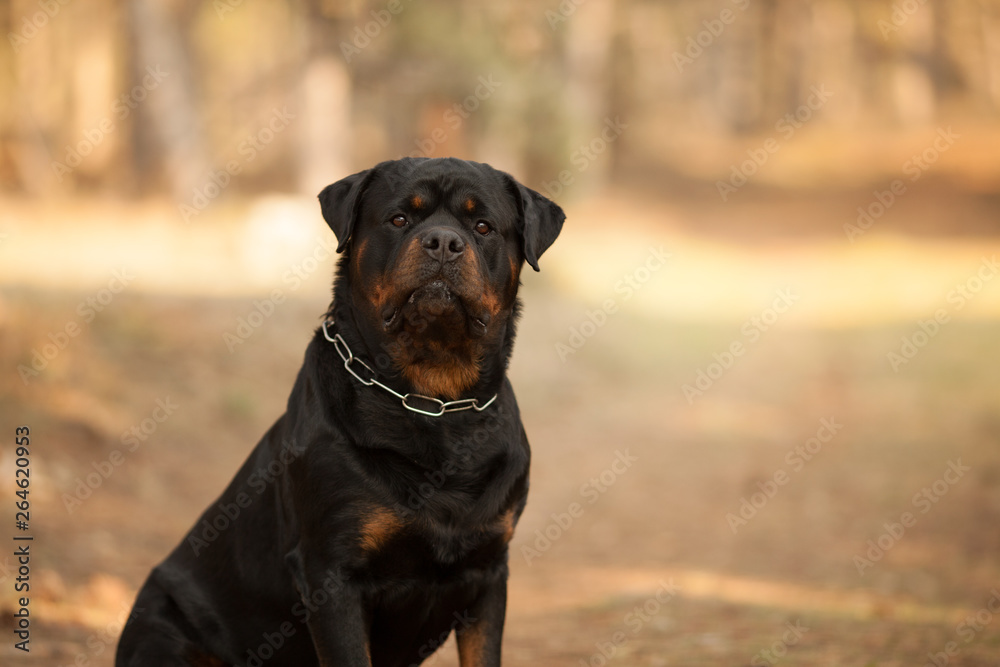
(340, 203)
(541, 219)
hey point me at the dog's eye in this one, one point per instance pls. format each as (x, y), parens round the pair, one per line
(400, 221)
(483, 227)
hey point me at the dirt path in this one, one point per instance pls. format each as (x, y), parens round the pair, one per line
(661, 523)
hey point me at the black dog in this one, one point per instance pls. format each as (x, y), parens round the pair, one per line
(373, 518)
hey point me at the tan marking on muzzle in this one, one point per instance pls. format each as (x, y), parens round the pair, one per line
(378, 294)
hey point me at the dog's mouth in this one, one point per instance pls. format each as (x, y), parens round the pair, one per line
(435, 304)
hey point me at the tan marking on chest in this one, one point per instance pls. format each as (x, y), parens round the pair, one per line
(447, 379)
(378, 528)
(507, 523)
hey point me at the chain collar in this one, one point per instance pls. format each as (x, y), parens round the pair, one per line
(407, 399)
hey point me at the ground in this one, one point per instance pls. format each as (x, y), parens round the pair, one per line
(653, 560)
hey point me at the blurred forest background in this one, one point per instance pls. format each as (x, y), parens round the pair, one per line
(814, 183)
(366, 81)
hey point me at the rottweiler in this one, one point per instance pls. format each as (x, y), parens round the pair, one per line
(373, 518)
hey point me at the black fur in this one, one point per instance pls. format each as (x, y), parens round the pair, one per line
(358, 532)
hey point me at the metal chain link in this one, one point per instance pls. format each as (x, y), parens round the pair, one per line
(442, 406)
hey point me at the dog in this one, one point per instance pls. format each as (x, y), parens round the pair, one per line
(373, 518)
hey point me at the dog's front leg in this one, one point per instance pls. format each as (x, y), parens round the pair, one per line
(481, 631)
(335, 615)
(339, 632)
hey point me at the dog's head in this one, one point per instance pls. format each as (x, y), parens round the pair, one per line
(433, 255)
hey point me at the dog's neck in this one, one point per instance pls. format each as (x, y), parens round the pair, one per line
(384, 353)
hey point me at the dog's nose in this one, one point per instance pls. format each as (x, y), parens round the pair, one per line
(443, 244)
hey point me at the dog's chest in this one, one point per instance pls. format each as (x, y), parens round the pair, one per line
(424, 546)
